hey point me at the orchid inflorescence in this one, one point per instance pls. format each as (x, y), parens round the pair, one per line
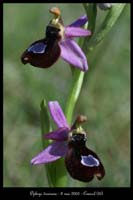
(68, 141)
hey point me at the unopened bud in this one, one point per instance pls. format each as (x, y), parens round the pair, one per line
(104, 6)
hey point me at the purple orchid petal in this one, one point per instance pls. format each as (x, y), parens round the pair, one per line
(59, 135)
(57, 114)
(80, 21)
(76, 32)
(73, 54)
(53, 152)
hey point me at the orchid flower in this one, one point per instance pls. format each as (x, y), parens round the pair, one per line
(60, 136)
(59, 41)
(69, 142)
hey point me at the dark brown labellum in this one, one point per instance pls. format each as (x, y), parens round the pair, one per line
(45, 52)
(82, 163)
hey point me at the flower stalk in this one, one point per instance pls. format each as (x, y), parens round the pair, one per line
(78, 76)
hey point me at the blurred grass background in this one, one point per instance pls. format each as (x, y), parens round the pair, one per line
(105, 97)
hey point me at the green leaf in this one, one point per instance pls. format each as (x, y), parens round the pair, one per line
(45, 123)
(45, 128)
(110, 20)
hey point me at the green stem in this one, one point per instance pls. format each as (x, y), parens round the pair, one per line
(78, 77)
(91, 11)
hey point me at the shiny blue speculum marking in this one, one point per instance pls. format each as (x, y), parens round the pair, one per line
(89, 161)
(37, 48)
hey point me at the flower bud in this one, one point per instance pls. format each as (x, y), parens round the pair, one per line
(104, 6)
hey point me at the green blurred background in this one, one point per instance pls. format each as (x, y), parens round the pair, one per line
(105, 97)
